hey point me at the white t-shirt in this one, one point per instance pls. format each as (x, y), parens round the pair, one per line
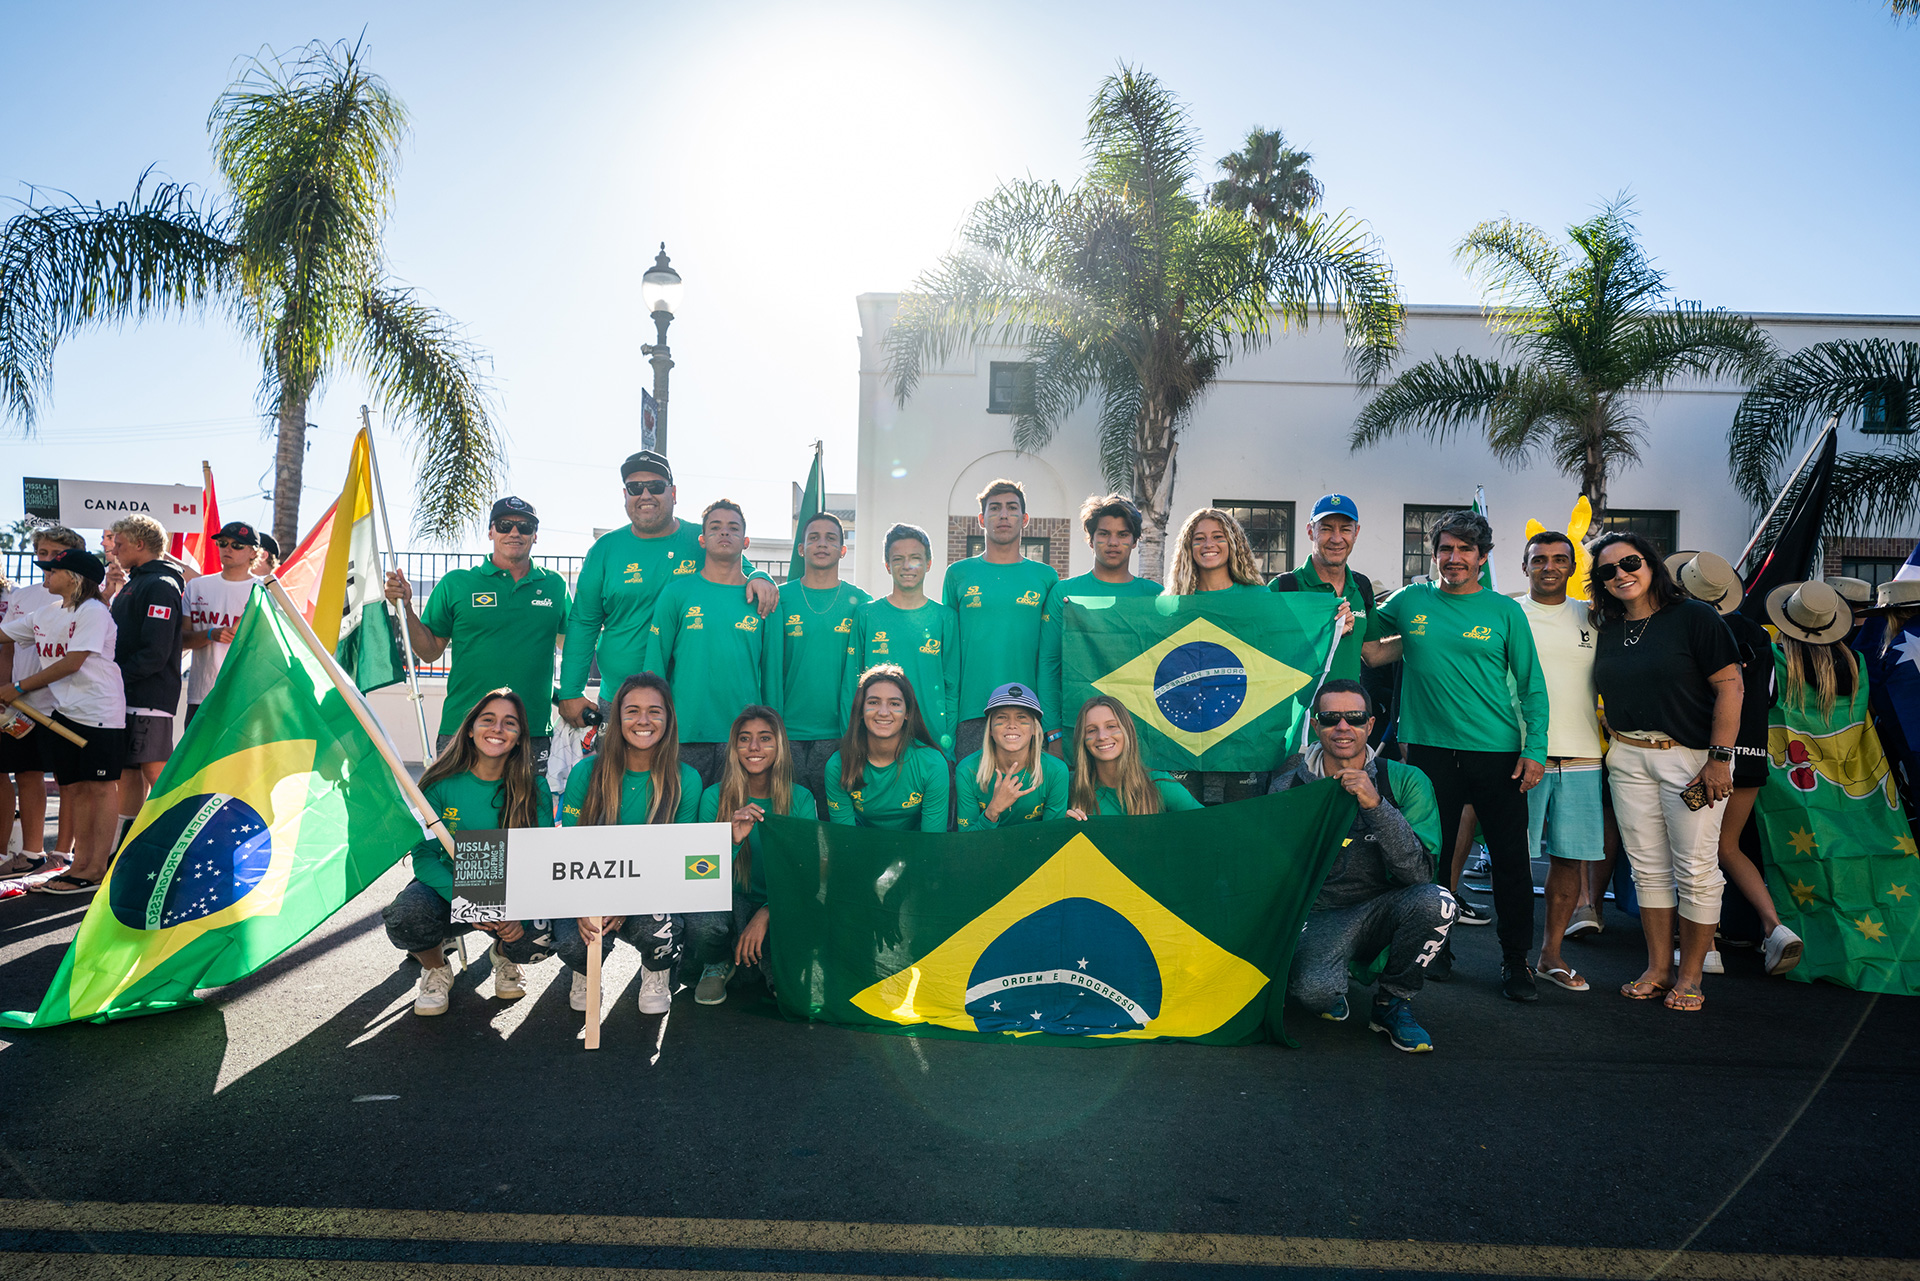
(23, 602)
(94, 695)
(1563, 636)
(211, 602)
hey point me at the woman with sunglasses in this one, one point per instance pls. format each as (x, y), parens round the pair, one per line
(1110, 779)
(887, 772)
(1668, 674)
(1011, 779)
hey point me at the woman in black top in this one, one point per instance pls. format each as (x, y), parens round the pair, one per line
(1668, 673)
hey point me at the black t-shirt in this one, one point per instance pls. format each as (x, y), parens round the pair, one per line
(1756, 670)
(1658, 682)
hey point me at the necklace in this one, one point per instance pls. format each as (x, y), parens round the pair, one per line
(806, 594)
(1633, 637)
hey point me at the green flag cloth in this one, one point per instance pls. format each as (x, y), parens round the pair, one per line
(274, 810)
(1215, 681)
(369, 650)
(812, 502)
(1841, 858)
(1168, 927)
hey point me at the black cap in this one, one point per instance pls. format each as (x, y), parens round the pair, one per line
(270, 546)
(76, 561)
(238, 531)
(511, 506)
(647, 460)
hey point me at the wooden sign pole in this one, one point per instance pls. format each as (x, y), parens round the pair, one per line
(47, 722)
(593, 984)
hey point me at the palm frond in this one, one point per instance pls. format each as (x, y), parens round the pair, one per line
(1267, 182)
(1119, 415)
(1693, 341)
(1141, 141)
(1522, 271)
(1797, 395)
(1875, 492)
(1438, 397)
(1333, 264)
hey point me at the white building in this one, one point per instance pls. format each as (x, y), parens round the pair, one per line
(1271, 436)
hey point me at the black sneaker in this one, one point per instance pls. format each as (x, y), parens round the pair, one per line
(1472, 913)
(1440, 968)
(1516, 980)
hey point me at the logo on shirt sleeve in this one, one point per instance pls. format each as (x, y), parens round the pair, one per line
(159, 611)
(485, 600)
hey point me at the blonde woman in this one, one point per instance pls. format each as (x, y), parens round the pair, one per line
(1212, 554)
(1011, 779)
(1110, 779)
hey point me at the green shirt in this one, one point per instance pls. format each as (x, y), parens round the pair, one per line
(636, 790)
(1461, 652)
(1000, 609)
(719, 655)
(501, 633)
(465, 801)
(908, 795)
(1046, 802)
(1346, 659)
(800, 806)
(1051, 684)
(816, 629)
(1173, 797)
(923, 642)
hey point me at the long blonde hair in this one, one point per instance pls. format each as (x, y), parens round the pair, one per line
(602, 806)
(1815, 670)
(1240, 563)
(514, 797)
(1137, 793)
(733, 780)
(1035, 750)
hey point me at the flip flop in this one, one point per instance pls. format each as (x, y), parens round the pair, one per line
(1561, 976)
(1632, 993)
(1684, 1001)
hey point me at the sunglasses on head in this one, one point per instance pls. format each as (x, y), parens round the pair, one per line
(515, 527)
(1355, 719)
(1625, 565)
(655, 487)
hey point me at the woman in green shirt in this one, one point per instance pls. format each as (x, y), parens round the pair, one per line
(484, 779)
(887, 772)
(1212, 554)
(758, 780)
(1010, 779)
(1109, 778)
(636, 778)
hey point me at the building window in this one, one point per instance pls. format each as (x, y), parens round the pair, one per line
(1874, 569)
(1661, 528)
(1269, 529)
(1009, 387)
(1031, 548)
(1416, 538)
(1885, 410)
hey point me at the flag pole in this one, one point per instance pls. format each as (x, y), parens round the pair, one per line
(393, 610)
(1833, 423)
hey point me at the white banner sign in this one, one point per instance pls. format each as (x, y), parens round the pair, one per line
(619, 871)
(96, 504)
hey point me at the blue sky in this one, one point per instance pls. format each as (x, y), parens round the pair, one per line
(795, 156)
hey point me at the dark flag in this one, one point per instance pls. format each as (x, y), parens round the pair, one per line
(1790, 559)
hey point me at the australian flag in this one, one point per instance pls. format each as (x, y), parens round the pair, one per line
(1890, 644)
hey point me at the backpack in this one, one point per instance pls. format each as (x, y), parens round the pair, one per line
(1290, 582)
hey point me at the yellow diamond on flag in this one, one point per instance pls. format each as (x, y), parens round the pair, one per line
(1201, 685)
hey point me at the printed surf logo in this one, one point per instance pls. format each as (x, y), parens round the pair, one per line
(1201, 684)
(703, 868)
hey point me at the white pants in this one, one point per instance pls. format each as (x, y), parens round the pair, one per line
(1675, 851)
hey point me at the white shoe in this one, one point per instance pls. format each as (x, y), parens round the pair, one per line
(577, 998)
(509, 981)
(1711, 965)
(1783, 949)
(435, 984)
(656, 991)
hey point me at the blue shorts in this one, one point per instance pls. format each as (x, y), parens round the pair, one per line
(1563, 814)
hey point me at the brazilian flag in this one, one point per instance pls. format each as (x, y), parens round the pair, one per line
(1169, 927)
(274, 810)
(1215, 681)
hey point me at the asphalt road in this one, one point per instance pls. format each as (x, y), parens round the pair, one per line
(1780, 1121)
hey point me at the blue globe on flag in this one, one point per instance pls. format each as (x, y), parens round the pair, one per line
(203, 855)
(1074, 968)
(1200, 685)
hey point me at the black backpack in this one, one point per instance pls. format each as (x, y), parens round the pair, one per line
(1290, 582)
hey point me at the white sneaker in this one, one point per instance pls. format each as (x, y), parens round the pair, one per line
(1783, 949)
(435, 984)
(577, 998)
(656, 991)
(509, 981)
(1712, 964)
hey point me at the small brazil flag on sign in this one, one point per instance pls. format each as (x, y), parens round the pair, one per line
(702, 868)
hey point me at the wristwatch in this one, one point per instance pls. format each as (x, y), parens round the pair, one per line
(1720, 754)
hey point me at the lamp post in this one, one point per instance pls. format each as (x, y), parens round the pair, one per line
(660, 291)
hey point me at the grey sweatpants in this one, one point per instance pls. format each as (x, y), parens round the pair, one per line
(1411, 923)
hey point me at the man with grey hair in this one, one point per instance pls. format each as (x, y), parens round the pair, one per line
(1469, 656)
(151, 628)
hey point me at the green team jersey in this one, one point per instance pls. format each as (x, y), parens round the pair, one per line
(755, 890)
(1469, 658)
(719, 655)
(925, 643)
(613, 599)
(1052, 629)
(1173, 797)
(465, 801)
(1046, 802)
(1346, 658)
(906, 796)
(1000, 608)
(500, 633)
(816, 634)
(636, 790)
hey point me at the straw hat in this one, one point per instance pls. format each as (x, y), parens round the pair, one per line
(1857, 592)
(1812, 612)
(1899, 593)
(1708, 579)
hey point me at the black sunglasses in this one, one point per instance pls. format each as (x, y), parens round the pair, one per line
(1626, 565)
(1355, 719)
(226, 546)
(654, 487)
(526, 527)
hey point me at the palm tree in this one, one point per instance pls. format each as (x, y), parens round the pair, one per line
(1592, 335)
(293, 253)
(1127, 286)
(1872, 382)
(1267, 180)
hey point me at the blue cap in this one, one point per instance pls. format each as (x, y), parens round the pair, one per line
(1335, 505)
(1014, 696)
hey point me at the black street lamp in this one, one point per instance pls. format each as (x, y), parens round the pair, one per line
(660, 291)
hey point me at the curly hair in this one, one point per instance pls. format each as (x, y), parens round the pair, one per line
(1240, 563)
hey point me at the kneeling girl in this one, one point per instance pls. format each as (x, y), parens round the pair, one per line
(1011, 779)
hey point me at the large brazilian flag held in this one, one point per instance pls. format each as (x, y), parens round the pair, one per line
(1215, 680)
(275, 809)
(1174, 926)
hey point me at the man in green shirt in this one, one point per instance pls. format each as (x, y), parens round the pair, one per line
(1470, 658)
(1112, 525)
(712, 645)
(501, 618)
(920, 635)
(625, 570)
(1000, 598)
(817, 613)
(1332, 529)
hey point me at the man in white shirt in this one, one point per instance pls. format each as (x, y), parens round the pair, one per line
(1564, 815)
(213, 604)
(20, 758)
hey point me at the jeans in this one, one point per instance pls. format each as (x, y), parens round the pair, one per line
(969, 737)
(1411, 923)
(656, 938)
(1675, 851)
(709, 760)
(709, 938)
(419, 920)
(810, 768)
(1220, 787)
(1485, 781)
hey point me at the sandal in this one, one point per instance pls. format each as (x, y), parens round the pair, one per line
(1688, 1001)
(67, 884)
(1634, 991)
(1561, 976)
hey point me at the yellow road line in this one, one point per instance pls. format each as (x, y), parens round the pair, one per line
(1603, 1263)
